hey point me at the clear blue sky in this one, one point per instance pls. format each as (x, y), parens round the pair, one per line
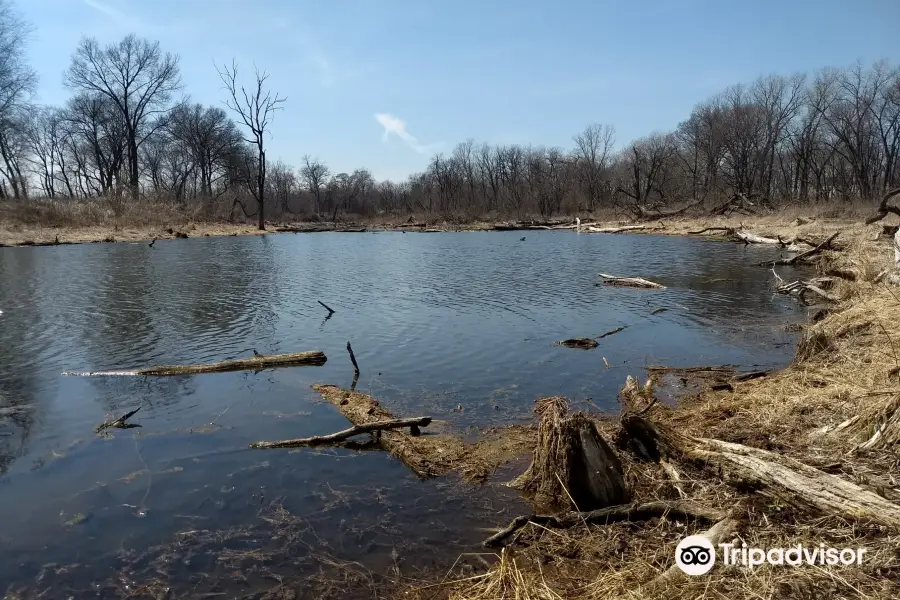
(437, 72)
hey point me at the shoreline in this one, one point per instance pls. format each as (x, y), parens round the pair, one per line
(833, 412)
(31, 236)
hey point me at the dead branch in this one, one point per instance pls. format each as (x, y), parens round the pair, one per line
(801, 288)
(328, 308)
(588, 229)
(630, 282)
(612, 332)
(714, 534)
(676, 509)
(802, 256)
(728, 230)
(340, 436)
(119, 423)
(884, 208)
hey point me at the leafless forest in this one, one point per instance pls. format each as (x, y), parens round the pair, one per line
(128, 136)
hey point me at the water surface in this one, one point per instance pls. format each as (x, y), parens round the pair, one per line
(460, 326)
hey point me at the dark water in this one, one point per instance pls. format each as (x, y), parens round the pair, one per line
(437, 321)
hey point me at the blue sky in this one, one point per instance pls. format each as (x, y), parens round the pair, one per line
(383, 84)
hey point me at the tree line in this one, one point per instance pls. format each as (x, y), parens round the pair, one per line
(126, 133)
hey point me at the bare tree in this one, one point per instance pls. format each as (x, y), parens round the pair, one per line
(315, 175)
(593, 149)
(256, 108)
(17, 82)
(136, 77)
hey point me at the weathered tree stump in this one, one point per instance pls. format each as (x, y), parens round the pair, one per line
(573, 467)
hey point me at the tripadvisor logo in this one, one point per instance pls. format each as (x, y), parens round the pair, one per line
(696, 555)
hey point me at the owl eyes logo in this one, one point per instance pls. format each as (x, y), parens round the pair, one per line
(695, 555)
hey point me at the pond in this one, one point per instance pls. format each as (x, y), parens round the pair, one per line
(459, 326)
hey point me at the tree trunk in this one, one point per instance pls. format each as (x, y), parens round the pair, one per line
(572, 463)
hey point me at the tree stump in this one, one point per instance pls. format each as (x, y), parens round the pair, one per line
(573, 467)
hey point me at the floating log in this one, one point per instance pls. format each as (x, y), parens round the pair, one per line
(326, 307)
(752, 238)
(572, 465)
(637, 282)
(800, 486)
(255, 363)
(728, 230)
(334, 438)
(676, 509)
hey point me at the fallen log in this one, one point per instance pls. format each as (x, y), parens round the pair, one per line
(802, 256)
(637, 282)
(617, 229)
(795, 484)
(334, 438)
(676, 509)
(752, 238)
(255, 363)
(728, 230)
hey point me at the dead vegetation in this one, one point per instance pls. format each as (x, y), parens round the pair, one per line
(803, 456)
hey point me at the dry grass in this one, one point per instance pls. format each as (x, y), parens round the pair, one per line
(836, 407)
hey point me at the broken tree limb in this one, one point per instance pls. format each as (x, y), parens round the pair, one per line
(119, 423)
(677, 509)
(637, 282)
(884, 208)
(255, 363)
(798, 485)
(340, 436)
(802, 256)
(613, 331)
(815, 286)
(328, 308)
(355, 366)
(728, 230)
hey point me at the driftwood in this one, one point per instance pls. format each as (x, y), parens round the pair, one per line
(752, 238)
(255, 363)
(797, 485)
(675, 509)
(728, 230)
(328, 308)
(119, 423)
(613, 331)
(802, 256)
(589, 229)
(572, 465)
(885, 208)
(335, 438)
(630, 282)
(814, 286)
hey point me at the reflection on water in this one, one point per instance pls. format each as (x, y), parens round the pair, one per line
(437, 321)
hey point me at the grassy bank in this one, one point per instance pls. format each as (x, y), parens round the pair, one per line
(835, 408)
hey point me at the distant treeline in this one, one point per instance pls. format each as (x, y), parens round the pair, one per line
(125, 133)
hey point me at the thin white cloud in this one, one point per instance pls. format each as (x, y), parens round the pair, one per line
(396, 126)
(120, 18)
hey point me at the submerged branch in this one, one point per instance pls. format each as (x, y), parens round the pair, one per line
(340, 436)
